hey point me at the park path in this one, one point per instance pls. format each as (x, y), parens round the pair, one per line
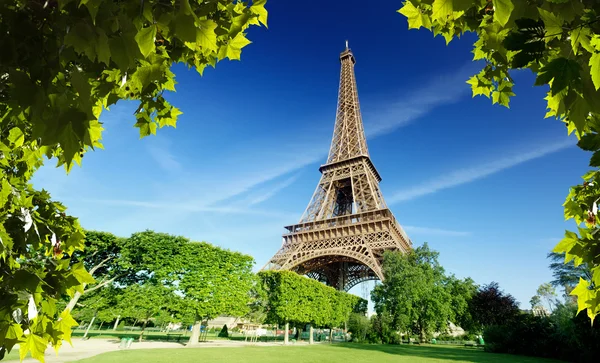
(88, 348)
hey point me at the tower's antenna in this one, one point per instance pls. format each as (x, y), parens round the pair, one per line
(346, 44)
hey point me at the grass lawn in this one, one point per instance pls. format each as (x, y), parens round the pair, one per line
(336, 353)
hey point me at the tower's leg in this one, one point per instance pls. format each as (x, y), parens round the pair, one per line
(343, 276)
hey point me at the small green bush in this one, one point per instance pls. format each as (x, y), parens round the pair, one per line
(121, 326)
(224, 333)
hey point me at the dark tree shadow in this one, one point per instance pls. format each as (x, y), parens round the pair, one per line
(476, 355)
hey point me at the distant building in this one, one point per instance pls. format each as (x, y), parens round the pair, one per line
(540, 311)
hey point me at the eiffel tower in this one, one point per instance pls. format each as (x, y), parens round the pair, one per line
(347, 226)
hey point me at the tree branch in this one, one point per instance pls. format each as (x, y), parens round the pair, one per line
(102, 284)
(93, 269)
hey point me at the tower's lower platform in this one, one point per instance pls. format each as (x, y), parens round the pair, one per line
(341, 251)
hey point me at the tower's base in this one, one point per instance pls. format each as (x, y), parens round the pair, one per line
(341, 251)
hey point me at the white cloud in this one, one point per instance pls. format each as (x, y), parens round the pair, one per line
(269, 193)
(163, 156)
(435, 231)
(445, 89)
(382, 121)
(180, 207)
(468, 175)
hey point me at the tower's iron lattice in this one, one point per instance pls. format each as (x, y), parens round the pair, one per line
(347, 226)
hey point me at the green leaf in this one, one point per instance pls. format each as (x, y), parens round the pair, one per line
(16, 137)
(578, 113)
(566, 244)
(589, 142)
(34, 344)
(206, 36)
(581, 36)
(146, 127)
(184, 23)
(583, 294)
(84, 277)
(561, 71)
(595, 159)
(145, 39)
(479, 87)
(65, 325)
(502, 10)
(503, 94)
(233, 48)
(92, 6)
(258, 8)
(415, 17)
(5, 191)
(442, 9)
(553, 24)
(595, 69)
(122, 53)
(103, 48)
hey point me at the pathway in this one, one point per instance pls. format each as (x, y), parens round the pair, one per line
(88, 348)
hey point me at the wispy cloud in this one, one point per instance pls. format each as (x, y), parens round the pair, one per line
(471, 174)
(435, 231)
(180, 207)
(381, 121)
(163, 156)
(411, 106)
(272, 191)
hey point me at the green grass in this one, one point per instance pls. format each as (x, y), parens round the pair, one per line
(336, 353)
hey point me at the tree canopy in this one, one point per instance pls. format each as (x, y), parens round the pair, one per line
(298, 299)
(559, 40)
(62, 63)
(492, 306)
(417, 294)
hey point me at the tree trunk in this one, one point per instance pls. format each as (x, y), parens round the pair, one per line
(286, 333)
(331, 335)
(310, 335)
(73, 302)
(345, 330)
(195, 333)
(89, 326)
(100, 328)
(143, 327)
(116, 322)
(134, 322)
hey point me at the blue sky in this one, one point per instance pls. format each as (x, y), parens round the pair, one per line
(480, 183)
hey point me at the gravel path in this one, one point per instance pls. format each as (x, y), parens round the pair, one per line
(88, 348)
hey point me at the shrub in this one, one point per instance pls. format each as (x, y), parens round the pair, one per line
(359, 326)
(224, 333)
(121, 326)
(561, 336)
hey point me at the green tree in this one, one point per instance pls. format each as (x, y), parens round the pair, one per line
(535, 301)
(144, 302)
(100, 257)
(257, 307)
(559, 40)
(547, 292)
(358, 326)
(414, 292)
(461, 292)
(213, 282)
(62, 63)
(567, 275)
(297, 299)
